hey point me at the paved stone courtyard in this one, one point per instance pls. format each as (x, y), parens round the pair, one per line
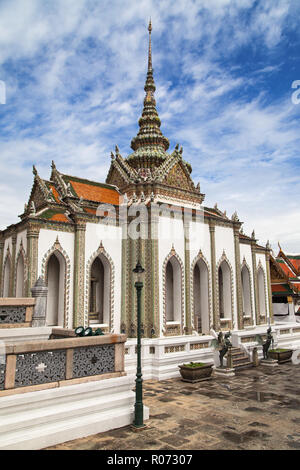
(258, 409)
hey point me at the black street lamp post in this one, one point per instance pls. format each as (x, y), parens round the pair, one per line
(139, 411)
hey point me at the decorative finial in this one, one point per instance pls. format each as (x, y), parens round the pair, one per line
(181, 150)
(268, 246)
(34, 170)
(279, 246)
(177, 147)
(112, 155)
(53, 165)
(253, 235)
(117, 150)
(150, 50)
(235, 217)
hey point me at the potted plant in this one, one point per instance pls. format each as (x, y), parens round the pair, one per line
(195, 371)
(281, 354)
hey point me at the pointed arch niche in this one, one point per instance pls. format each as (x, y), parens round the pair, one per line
(21, 272)
(7, 274)
(200, 294)
(225, 291)
(56, 273)
(261, 285)
(173, 294)
(246, 291)
(99, 304)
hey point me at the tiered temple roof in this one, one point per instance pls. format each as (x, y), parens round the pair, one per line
(285, 274)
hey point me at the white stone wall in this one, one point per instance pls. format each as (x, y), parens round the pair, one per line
(170, 233)
(224, 240)
(47, 238)
(111, 238)
(245, 252)
(261, 257)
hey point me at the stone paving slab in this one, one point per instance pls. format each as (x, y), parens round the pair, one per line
(258, 409)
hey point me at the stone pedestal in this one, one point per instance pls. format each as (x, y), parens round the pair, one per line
(39, 292)
(255, 359)
(224, 372)
(269, 362)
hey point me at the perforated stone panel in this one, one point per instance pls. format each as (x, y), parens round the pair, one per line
(93, 360)
(40, 368)
(12, 314)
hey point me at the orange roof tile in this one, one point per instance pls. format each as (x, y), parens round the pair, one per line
(59, 218)
(96, 193)
(55, 193)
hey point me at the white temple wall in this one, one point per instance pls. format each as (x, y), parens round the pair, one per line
(224, 240)
(245, 252)
(200, 240)
(170, 234)
(7, 244)
(261, 258)
(111, 238)
(21, 236)
(47, 239)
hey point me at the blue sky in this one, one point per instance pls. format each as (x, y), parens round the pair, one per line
(75, 70)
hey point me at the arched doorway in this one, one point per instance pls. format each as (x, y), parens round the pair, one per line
(6, 277)
(246, 289)
(173, 290)
(261, 292)
(224, 280)
(55, 279)
(20, 274)
(201, 297)
(100, 291)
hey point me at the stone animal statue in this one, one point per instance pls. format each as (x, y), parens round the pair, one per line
(222, 344)
(266, 344)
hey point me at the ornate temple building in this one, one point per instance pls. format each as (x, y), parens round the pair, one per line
(285, 281)
(201, 271)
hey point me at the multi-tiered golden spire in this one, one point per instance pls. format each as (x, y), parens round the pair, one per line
(149, 142)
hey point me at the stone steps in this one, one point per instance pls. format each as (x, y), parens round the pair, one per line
(240, 360)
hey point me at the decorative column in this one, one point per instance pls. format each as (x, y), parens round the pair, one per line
(253, 242)
(33, 232)
(238, 276)
(216, 320)
(1, 265)
(39, 292)
(271, 313)
(12, 291)
(79, 266)
(187, 265)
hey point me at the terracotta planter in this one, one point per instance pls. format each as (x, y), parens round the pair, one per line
(281, 356)
(195, 374)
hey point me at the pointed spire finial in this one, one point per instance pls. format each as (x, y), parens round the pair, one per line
(150, 50)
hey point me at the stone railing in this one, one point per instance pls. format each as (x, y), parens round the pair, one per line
(36, 365)
(16, 312)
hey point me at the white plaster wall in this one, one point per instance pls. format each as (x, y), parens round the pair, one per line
(7, 244)
(262, 257)
(245, 252)
(21, 236)
(224, 240)
(200, 240)
(47, 239)
(170, 232)
(111, 238)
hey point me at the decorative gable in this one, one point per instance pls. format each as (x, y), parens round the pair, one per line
(177, 177)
